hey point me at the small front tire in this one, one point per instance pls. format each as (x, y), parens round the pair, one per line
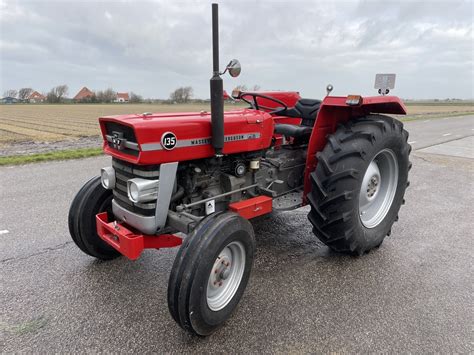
(90, 200)
(210, 273)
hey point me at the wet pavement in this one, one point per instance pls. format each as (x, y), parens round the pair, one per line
(413, 294)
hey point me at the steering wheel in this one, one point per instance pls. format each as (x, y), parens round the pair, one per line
(256, 106)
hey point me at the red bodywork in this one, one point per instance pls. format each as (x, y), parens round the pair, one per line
(197, 127)
(128, 242)
(335, 110)
(131, 244)
(189, 127)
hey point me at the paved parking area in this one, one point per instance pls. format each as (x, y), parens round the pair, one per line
(414, 294)
(463, 147)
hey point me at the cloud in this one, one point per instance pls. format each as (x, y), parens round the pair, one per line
(151, 47)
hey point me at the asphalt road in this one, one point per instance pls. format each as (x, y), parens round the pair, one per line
(413, 294)
(430, 132)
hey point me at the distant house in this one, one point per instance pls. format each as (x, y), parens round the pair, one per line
(9, 100)
(84, 93)
(122, 97)
(36, 97)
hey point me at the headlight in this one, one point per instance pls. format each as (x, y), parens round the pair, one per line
(133, 192)
(107, 177)
(142, 190)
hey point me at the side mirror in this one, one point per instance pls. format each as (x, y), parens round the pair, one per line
(233, 68)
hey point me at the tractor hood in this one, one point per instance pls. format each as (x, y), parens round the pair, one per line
(151, 138)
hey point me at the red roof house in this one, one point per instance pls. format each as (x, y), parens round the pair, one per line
(122, 97)
(83, 94)
(35, 96)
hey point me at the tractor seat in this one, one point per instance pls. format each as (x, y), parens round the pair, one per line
(307, 110)
(291, 130)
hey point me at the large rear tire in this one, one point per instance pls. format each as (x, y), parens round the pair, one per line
(210, 272)
(359, 184)
(91, 199)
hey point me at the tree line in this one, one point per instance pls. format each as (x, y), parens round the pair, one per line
(185, 93)
(55, 95)
(109, 95)
(58, 94)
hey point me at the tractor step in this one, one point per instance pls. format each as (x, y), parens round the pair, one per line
(288, 202)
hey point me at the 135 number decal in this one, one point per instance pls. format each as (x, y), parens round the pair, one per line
(168, 140)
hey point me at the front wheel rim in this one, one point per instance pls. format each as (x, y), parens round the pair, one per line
(378, 188)
(226, 276)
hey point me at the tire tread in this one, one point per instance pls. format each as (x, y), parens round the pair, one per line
(334, 180)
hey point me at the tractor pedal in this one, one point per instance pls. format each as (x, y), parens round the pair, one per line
(267, 192)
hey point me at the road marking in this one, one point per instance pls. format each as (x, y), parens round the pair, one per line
(426, 121)
(4, 232)
(412, 142)
(446, 134)
(446, 118)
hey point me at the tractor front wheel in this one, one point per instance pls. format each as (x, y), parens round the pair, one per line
(359, 184)
(210, 272)
(91, 199)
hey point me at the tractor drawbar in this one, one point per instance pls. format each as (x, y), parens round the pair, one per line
(217, 91)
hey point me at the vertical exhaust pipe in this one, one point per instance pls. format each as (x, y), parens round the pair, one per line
(217, 91)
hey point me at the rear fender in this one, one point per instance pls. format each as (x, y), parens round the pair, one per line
(335, 111)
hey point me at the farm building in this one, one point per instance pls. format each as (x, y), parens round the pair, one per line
(9, 100)
(84, 93)
(122, 97)
(36, 97)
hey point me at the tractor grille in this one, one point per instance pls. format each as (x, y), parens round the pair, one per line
(130, 145)
(125, 171)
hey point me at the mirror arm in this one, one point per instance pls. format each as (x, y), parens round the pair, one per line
(225, 71)
(226, 68)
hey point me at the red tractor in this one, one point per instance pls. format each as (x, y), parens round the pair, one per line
(195, 180)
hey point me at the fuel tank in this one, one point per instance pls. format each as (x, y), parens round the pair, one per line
(155, 138)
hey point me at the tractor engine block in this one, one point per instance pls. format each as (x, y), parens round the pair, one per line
(271, 173)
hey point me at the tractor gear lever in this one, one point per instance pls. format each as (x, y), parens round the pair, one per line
(329, 88)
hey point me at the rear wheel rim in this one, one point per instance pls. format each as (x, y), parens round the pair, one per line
(378, 188)
(226, 276)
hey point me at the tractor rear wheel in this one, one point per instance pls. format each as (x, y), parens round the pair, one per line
(91, 199)
(359, 184)
(210, 272)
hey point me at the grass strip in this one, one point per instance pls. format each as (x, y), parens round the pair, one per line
(56, 155)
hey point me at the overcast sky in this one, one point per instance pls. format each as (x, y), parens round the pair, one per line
(152, 47)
